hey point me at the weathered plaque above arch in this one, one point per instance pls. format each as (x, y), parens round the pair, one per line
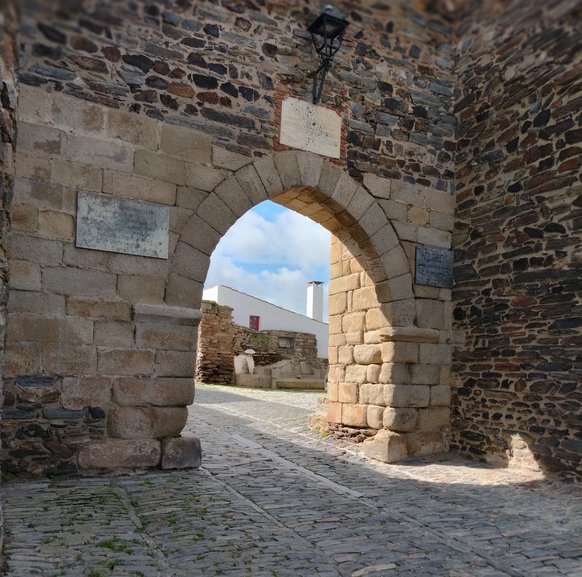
(122, 225)
(312, 128)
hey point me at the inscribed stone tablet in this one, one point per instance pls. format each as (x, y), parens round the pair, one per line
(121, 225)
(312, 128)
(434, 267)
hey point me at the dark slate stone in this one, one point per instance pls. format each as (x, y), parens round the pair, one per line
(44, 51)
(191, 25)
(414, 51)
(512, 145)
(139, 61)
(555, 227)
(390, 27)
(57, 413)
(248, 93)
(52, 34)
(217, 68)
(440, 89)
(212, 30)
(96, 413)
(257, 112)
(229, 89)
(554, 366)
(566, 324)
(533, 232)
(266, 82)
(574, 445)
(206, 82)
(62, 469)
(491, 156)
(270, 49)
(18, 414)
(53, 72)
(542, 118)
(94, 27)
(171, 17)
(419, 111)
(40, 381)
(31, 431)
(193, 42)
(574, 136)
(228, 118)
(546, 163)
(472, 436)
(465, 272)
(157, 82)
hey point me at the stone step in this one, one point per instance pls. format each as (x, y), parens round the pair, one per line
(299, 384)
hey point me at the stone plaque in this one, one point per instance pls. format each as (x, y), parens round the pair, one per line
(312, 128)
(121, 225)
(434, 267)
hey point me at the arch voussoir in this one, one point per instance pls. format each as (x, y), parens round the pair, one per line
(233, 195)
(289, 173)
(310, 167)
(269, 175)
(251, 183)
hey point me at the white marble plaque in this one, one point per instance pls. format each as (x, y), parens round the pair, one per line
(121, 225)
(312, 128)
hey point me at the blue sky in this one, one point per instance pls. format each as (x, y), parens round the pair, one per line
(272, 252)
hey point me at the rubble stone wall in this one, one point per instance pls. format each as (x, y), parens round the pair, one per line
(518, 291)
(217, 335)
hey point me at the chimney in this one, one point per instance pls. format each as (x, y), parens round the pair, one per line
(315, 300)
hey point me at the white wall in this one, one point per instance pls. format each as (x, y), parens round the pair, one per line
(272, 316)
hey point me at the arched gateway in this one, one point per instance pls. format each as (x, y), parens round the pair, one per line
(101, 346)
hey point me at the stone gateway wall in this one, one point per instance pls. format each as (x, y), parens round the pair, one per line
(518, 291)
(177, 105)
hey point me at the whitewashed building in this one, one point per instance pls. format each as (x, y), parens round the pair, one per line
(257, 314)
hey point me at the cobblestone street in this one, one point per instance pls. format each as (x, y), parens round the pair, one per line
(274, 499)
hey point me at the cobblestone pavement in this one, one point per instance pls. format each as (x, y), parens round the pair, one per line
(275, 500)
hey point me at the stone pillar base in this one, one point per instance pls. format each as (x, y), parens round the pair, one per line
(183, 452)
(390, 447)
(386, 446)
(120, 454)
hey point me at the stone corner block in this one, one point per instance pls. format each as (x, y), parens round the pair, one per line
(167, 392)
(149, 313)
(120, 454)
(183, 452)
(386, 446)
(146, 422)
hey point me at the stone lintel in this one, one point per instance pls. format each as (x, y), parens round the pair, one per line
(165, 314)
(409, 334)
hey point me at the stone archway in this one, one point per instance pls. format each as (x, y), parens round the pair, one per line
(385, 370)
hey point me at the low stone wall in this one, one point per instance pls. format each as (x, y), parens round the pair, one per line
(220, 340)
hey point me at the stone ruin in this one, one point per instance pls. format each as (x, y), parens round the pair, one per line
(460, 127)
(221, 343)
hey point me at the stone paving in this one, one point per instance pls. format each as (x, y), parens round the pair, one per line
(274, 500)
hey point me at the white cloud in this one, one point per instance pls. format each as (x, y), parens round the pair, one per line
(272, 260)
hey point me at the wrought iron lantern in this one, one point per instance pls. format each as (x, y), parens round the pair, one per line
(327, 32)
